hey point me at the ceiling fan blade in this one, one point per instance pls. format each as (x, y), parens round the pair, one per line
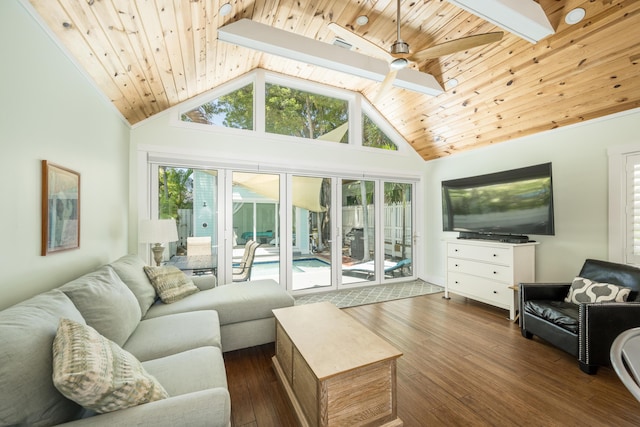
(361, 43)
(457, 45)
(385, 85)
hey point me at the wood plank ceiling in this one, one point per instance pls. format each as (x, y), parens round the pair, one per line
(149, 55)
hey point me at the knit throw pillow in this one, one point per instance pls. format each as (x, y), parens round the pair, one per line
(584, 290)
(170, 283)
(96, 373)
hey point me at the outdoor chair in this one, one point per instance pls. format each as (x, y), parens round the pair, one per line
(368, 268)
(198, 246)
(242, 270)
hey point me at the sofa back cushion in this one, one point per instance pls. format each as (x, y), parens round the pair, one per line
(27, 331)
(614, 273)
(106, 303)
(130, 269)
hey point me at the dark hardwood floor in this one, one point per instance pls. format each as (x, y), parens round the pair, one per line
(464, 363)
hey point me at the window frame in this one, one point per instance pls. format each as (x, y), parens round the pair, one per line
(620, 194)
(357, 105)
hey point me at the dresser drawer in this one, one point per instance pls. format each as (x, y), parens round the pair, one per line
(480, 253)
(481, 289)
(485, 270)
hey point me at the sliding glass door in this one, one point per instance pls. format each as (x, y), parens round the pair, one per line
(256, 218)
(358, 231)
(311, 230)
(190, 196)
(314, 232)
(398, 230)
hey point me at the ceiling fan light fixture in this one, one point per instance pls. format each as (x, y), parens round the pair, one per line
(399, 63)
(399, 48)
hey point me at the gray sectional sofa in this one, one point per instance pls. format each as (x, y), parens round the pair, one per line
(179, 344)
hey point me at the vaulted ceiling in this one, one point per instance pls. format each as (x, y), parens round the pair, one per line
(149, 55)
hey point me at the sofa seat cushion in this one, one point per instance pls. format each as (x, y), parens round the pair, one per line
(166, 335)
(130, 269)
(234, 302)
(189, 371)
(96, 373)
(27, 331)
(106, 303)
(561, 313)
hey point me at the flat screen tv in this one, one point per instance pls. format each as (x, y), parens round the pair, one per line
(515, 202)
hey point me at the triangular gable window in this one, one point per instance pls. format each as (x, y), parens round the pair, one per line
(233, 110)
(267, 102)
(294, 112)
(373, 136)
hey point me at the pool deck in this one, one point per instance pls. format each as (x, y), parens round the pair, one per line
(309, 278)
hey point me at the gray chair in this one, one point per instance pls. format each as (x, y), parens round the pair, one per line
(242, 270)
(625, 359)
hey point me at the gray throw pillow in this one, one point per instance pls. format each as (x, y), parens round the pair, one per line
(171, 283)
(583, 290)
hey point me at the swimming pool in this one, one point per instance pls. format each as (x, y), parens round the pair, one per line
(299, 265)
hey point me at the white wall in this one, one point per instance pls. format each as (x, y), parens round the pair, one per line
(580, 184)
(51, 111)
(221, 147)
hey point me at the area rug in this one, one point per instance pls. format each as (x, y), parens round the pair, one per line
(372, 294)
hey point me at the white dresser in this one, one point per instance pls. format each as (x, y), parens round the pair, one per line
(485, 270)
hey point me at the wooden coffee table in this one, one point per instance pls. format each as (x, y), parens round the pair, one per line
(334, 370)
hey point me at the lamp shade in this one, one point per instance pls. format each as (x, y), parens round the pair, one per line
(157, 231)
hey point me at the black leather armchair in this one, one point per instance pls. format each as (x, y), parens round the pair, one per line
(585, 330)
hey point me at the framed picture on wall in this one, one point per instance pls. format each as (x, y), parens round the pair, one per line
(60, 208)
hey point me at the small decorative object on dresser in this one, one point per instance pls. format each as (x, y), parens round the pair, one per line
(486, 270)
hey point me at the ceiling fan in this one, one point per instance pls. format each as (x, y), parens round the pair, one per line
(399, 55)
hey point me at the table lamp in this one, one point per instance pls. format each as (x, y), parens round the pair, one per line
(157, 231)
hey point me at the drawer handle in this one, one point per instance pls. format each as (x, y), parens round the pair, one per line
(495, 272)
(456, 265)
(455, 250)
(495, 292)
(456, 282)
(495, 255)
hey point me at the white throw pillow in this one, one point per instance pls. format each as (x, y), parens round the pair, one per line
(96, 373)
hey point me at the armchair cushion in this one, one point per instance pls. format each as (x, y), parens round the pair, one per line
(583, 290)
(561, 313)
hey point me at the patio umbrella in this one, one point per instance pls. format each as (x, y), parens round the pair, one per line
(306, 189)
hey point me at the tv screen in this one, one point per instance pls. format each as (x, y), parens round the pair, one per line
(517, 201)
